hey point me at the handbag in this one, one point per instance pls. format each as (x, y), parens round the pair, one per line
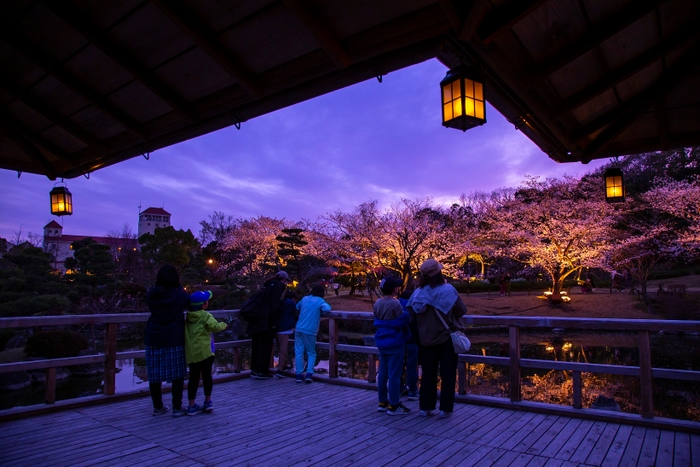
(460, 342)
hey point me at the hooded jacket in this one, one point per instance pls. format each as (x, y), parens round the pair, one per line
(426, 302)
(392, 332)
(166, 325)
(198, 328)
(310, 309)
(274, 294)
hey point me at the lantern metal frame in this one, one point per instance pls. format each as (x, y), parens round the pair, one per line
(614, 183)
(61, 201)
(462, 97)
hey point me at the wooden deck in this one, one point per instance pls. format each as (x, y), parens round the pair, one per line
(279, 422)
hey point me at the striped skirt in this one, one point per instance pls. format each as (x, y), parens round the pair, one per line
(165, 363)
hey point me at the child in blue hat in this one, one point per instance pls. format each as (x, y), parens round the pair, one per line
(199, 349)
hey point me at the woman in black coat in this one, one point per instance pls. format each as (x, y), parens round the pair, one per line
(165, 338)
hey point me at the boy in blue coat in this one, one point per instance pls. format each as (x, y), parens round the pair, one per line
(310, 309)
(391, 321)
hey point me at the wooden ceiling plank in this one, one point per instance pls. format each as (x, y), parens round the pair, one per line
(629, 112)
(11, 125)
(30, 150)
(608, 28)
(56, 117)
(625, 71)
(476, 16)
(199, 34)
(324, 37)
(451, 14)
(42, 60)
(80, 23)
(500, 19)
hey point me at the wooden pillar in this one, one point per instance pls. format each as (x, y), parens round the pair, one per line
(332, 352)
(462, 377)
(372, 368)
(577, 390)
(645, 380)
(50, 386)
(111, 358)
(514, 343)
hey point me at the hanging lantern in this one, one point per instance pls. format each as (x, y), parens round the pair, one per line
(61, 201)
(614, 185)
(463, 104)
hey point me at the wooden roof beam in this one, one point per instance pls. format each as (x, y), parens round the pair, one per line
(56, 117)
(608, 28)
(80, 23)
(30, 149)
(500, 19)
(207, 42)
(324, 37)
(476, 16)
(21, 45)
(626, 114)
(625, 71)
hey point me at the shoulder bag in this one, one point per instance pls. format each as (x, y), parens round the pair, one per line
(460, 342)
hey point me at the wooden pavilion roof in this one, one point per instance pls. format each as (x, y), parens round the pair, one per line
(84, 84)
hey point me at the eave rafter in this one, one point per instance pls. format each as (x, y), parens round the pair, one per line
(619, 119)
(21, 45)
(80, 23)
(30, 149)
(498, 20)
(324, 37)
(201, 36)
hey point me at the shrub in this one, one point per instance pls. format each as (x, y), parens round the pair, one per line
(53, 288)
(13, 284)
(5, 335)
(38, 304)
(55, 344)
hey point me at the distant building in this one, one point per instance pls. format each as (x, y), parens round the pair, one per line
(59, 245)
(151, 219)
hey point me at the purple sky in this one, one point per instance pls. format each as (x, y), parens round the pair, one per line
(369, 141)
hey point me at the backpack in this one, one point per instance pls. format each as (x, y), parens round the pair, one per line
(256, 306)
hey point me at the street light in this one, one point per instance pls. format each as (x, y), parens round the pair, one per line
(61, 201)
(614, 185)
(463, 103)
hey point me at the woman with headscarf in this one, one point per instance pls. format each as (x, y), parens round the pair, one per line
(433, 300)
(165, 338)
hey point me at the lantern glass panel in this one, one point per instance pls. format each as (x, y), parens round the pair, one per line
(456, 90)
(469, 107)
(447, 112)
(468, 88)
(457, 108)
(446, 94)
(478, 90)
(479, 110)
(614, 187)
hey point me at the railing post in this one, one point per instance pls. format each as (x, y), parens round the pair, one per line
(332, 352)
(237, 361)
(50, 386)
(514, 343)
(645, 380)
(462, 378)
(371, 368)
(578, 400)
(110, 358)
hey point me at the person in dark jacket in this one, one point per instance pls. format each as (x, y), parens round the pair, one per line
(262, 329)
(165, 338)
(285, 327)
(434, 296)
(411, 350)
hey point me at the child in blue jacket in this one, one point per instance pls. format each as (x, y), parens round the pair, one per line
(310, 309)
(391, 321)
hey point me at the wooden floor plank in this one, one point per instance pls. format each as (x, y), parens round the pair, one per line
(280, 423)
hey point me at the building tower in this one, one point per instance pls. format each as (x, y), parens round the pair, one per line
(151, 219)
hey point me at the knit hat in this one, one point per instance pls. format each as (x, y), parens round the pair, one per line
(281, 275)
(198, 298)
(430, 267)
(388, 284)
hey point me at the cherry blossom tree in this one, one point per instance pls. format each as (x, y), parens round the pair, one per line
(551, 224)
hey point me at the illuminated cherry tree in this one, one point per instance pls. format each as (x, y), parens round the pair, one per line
(552, 224)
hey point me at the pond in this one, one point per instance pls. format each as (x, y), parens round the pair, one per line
(675, 399)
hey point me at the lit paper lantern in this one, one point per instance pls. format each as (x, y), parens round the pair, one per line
(463, 103)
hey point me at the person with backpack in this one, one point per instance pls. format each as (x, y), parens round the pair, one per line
(310, 309)
(199, 349)
(262, 312)
(285, 327)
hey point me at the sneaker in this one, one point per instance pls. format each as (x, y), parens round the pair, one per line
(300, 378)
(194, 409)
(444, 414)
(383, 407)
(279, 375)
(398, 410)
(208, 406)
(161, 411)
(256, 375)
(425, 413)
(309, 378)
(179, 412)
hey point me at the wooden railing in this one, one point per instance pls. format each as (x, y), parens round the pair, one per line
(514, 362)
